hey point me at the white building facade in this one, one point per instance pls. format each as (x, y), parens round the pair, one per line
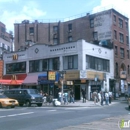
(86, 66)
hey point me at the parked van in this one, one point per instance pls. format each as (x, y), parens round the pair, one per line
(25, 96)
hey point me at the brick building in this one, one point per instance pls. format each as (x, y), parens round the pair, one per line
(108, 28)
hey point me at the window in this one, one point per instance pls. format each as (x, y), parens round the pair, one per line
(95, 35)
(2, 29)
(120, 23)
(128, 54)
(126, 23)
(91, 23)
(3, 45)
(115, 34)
(127, 40)
(121, 37)
(16, 68)
(50, 64)
(122, 53)
(128, 69)
(8, 48)
(56, 63)
(114, 19)
(55, 29)
(70, 62)
(69, 27)
(116, 50)
(45, 64)
(34, 66)
(97, 63)
(70, 39)
(55, 41)
(31, 30)
(116, 68)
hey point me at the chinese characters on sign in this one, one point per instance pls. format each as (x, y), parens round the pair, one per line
(51, 75)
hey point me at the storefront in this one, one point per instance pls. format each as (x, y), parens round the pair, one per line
(47, 82)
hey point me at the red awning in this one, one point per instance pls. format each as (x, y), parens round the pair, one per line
(11, 82)
(5, 81)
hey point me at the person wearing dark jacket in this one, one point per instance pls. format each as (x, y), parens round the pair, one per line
(84, 95)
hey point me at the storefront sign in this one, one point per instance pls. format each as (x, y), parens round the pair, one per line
(71, 75)
(92, 75)
(83, 74)
(51, 75)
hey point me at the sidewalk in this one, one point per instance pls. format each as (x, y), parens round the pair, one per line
(81, 104)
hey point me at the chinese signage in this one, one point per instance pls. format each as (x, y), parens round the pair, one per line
(51, 75)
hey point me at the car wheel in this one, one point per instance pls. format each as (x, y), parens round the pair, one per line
(28, 104)
(39, 104)
(0, 105)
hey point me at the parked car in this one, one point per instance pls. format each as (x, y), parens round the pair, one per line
(25, 96)
(7, 102)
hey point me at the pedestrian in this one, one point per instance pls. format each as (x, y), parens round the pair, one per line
(65, 98)
(59, 96)
(84, 95)
(99, 97)
(71, 96)
(102, 98)
(107, 98)
(110, 97)
(95, 96)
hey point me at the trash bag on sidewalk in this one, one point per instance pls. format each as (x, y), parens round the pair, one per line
(56, 102)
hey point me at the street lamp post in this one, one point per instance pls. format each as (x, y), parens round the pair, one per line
(62, 84)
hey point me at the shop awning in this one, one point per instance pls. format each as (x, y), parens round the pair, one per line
(5, 81)
(31, 79)
(10, 82)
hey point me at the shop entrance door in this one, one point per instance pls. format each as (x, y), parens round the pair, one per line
(77, 92)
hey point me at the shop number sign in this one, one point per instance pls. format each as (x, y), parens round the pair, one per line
(51, 75)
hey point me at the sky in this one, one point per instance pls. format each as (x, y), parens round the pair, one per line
(15, 11)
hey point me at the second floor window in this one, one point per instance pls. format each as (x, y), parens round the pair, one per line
(122, 53)
(114, 19)
(70, 62)
(121, 36)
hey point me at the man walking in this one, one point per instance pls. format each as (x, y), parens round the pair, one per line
(84, 95)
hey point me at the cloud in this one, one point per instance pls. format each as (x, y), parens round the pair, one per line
(29, 11)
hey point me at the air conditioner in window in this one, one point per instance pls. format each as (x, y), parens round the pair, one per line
(0, 44)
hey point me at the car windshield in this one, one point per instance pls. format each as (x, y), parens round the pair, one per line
(33, 91)
(3, 96)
